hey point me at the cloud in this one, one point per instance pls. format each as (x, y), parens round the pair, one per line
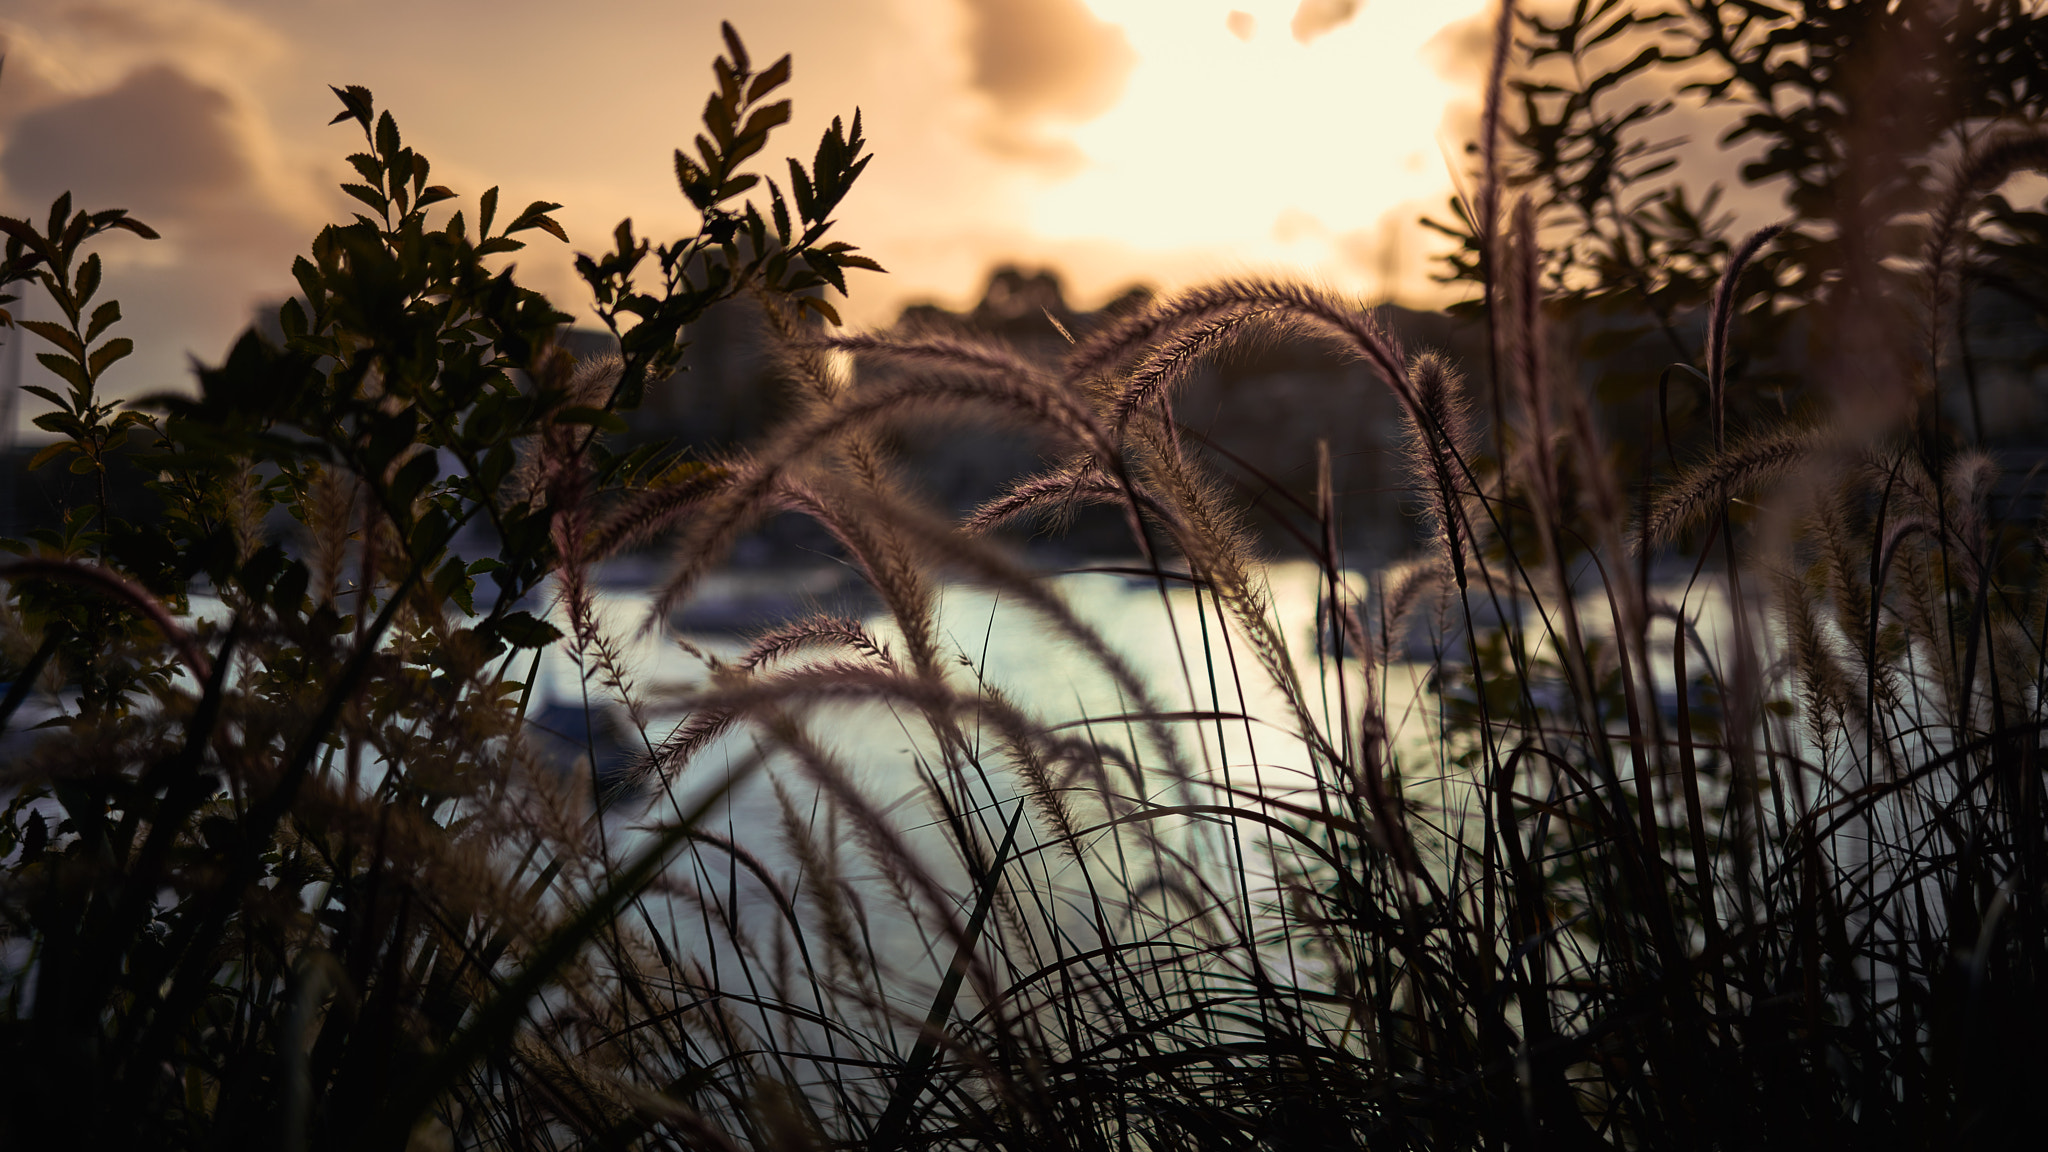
(1041, 63)
(1462, 51)
(27, 82)
(189, 156)
(1242, 25)
(1046, 57)
(159, 144)
(1318, 17)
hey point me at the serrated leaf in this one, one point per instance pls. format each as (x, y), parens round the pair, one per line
(88, 281)
(368, 195)
(102, 316)
(800, 185)
(523, 630)
(356, 104)
(61, 423)
(536, 216)
(72, 372)
(775, 77)
(766, 119)
(56, 334)
(733, 47)
(388, 144)
(106, 354)
(50, 452)
(310, 282)
(779, 210)
(828, 268)
(693, 180)
(717, 121)
(486, 210)
(823, 308)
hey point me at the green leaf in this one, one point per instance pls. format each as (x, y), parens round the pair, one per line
(522, 630)
(57, 334)
(45, 393)
(775, 77)
(766, 120)
(780, 211)
(418, 472)
(88, 279)
(61, 423)
(823, 308)
(733, 47)
(368, 195)
(536, 216)
(737, 185)
(291, 318)
(388, 144)
(310, 281)
(130, 224)
(50, 452)
(828, 268)
(355, 104)
(71, 370)
(104, 315)
(106, 354)
(800, 184)
(486, 211)
(694, 181)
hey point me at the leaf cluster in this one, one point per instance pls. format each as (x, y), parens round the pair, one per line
(258, 874)
(737, 247)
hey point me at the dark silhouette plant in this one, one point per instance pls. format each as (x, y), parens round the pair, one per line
(273, 908)
(1642, 882)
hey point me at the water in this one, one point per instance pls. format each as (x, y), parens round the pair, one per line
(1173, 641)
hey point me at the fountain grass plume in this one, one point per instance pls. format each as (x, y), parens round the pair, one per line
(1700, 491)
(784, 639)
(1720, 317)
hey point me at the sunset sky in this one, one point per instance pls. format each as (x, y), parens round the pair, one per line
(1162, 141)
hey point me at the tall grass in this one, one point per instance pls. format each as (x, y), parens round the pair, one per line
(1751, 859)
(1656, 881)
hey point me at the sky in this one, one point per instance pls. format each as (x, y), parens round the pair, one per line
(1163, 142)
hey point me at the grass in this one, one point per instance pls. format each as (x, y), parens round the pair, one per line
(1652, 880)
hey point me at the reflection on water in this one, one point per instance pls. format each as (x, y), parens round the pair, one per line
(1228, 725)
(1172, 638)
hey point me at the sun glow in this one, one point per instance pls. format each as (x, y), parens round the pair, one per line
(1233, 135)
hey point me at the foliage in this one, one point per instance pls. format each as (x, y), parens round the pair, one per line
(1848, 114)
(316, 797)
(1749, 858)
